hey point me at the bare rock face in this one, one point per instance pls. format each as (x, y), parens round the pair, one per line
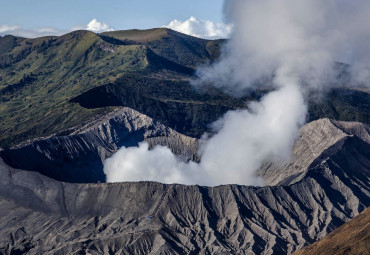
(77, 155)
(44, 216)
(316, 140)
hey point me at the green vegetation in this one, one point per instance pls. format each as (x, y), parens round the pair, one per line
(179, 48)
(39, 77)
(342, 104)
(136, 35)
(8, 42)
(50, 84)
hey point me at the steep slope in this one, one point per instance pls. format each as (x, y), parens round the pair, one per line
(39, 76)
(178, 105)
(317, 140)
(41, 215)
(77, 155)
(353, 238)
(172, 102)
(348, 104)
(42, 78)
(180, 48)
(8, 42)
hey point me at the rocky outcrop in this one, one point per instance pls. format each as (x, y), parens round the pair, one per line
(317, 140)
(43, 216)
(77, 155)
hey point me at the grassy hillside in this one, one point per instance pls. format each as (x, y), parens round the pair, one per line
(136, 35)
(38, 77)
(179, 48)
(8, 42)
(49, 84)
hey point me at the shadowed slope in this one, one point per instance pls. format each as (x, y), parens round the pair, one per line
(41, 77)
(38, 77)
(353, 238)
(180, 48)
(77, 155)
(43, 216)
(317, 140)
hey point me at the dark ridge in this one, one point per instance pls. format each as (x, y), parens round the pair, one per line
(8, 43)
(115, 41)
(159, 63)
(186, 117)
(88, 168)
(341, 104)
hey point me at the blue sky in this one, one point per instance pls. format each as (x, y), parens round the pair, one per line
(120, 14)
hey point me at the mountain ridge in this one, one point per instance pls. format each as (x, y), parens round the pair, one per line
(77, 155)
(69, 102)
(317, 140)
(149, 217)
(41, 78)
(59, 68)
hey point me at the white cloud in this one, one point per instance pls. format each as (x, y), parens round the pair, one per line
(94, 26)
(201, 28)
(98, 27)
(4, 28)
(30, 33)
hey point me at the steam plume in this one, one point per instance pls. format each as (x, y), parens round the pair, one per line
(293, 45)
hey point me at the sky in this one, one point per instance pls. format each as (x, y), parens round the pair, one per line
(67, 15)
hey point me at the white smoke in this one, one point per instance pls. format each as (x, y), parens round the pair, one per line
(201, 28)
(293, 45)
(243, 140)
(307, 35)
(159, 164)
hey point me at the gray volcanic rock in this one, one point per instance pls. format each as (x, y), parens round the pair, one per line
(316, 139)
(44, 216)
(352, 238)
(77, 155)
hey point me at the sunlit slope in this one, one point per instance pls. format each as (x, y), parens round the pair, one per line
(50, 84)
(182, 49)
(39, 76)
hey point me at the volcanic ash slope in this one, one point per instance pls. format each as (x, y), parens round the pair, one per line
(43, 216)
